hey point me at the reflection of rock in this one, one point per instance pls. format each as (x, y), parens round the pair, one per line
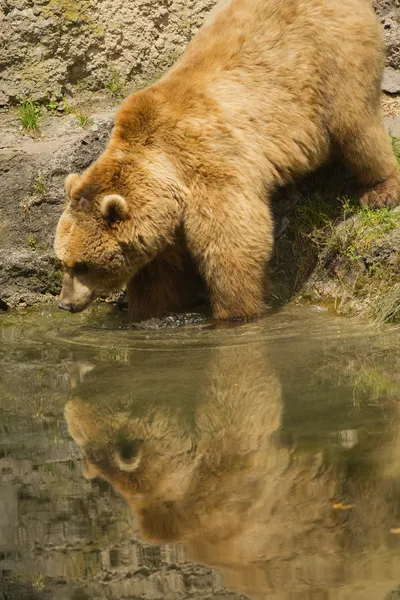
(62, 538)
(280, 523)
(67, 539)
(8, 516)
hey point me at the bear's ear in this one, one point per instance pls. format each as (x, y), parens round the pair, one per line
(70, 182)
(114, 208)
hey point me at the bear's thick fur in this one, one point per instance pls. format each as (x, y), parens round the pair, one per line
(264, 93)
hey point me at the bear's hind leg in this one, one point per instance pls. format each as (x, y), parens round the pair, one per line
(368, 150)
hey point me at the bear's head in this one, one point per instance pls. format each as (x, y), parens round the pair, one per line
(143, 459)
(121, 212)
(89, 242)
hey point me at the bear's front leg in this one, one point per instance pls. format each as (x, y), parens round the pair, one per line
(231, 242)
(168, 284)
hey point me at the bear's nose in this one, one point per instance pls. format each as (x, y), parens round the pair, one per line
(65, 306)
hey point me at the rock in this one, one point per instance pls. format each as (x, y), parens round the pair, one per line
(32, 192)
(388, 12)
(391, 81)
(55, 45)
(283, 225)
(392, 124)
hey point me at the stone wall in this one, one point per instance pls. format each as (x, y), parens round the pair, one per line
(51, 47)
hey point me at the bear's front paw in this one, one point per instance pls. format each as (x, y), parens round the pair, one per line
(243, 313)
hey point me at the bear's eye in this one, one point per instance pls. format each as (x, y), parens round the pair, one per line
(80, 268)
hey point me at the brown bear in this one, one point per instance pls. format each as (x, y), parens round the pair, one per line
(264, 93)
(212, 472)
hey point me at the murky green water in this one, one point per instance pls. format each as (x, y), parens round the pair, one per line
(221, 461)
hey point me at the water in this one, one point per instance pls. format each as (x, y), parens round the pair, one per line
(259, 460)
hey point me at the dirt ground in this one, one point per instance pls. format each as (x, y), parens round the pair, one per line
(391, 105)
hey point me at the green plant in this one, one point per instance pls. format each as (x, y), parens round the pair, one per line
(115, 85)
(29, 114)
(50, 468)
(384, 218)
(396, 148)
(52, 107)
(348, 246)
(351, 253)
(349, 207)
(39, 185)
(32, 243)
(312, 213)
(67, 108)
(83, 120)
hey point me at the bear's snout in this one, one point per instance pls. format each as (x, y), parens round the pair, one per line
(72, 308)
(75, 296)
(65, 306)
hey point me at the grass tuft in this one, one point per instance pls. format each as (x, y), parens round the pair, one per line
(346, 255)
(52, 107)
(396, 148)
(385, 307)
(83, 120)
(66, 107)
(32, 243)
(29, 113)
(39, 186)
(115, 85)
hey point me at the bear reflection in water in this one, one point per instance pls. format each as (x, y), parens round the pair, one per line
(213, 472)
